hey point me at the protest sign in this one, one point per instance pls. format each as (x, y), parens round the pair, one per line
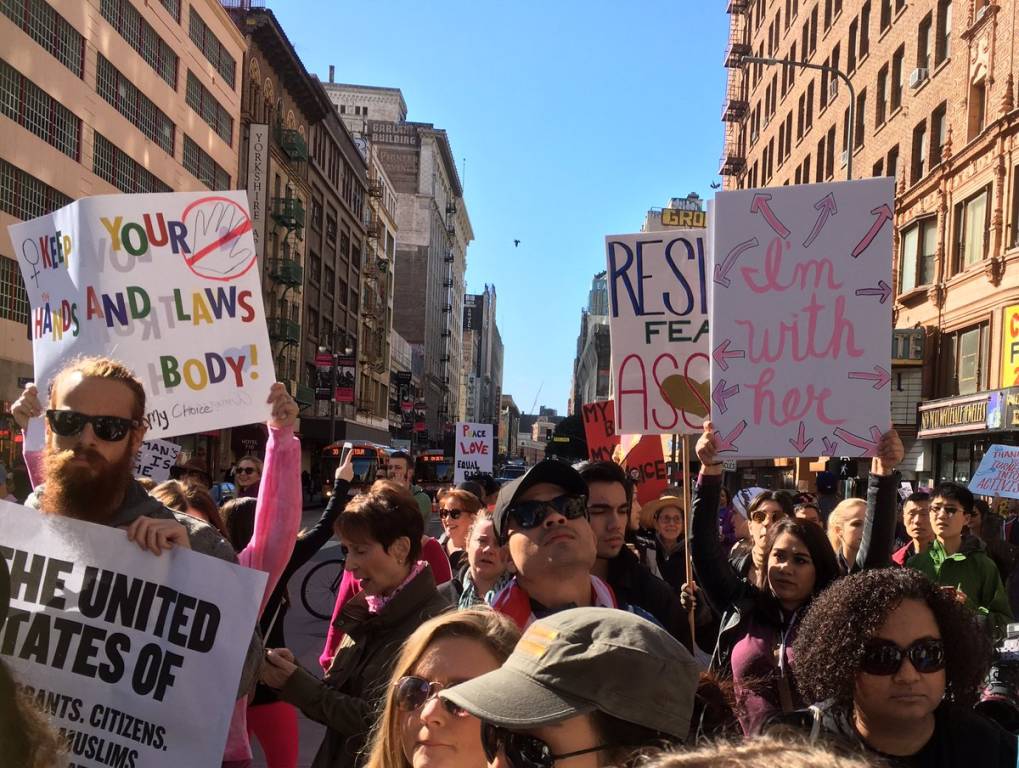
(643, 458)
(599, 429)
(136, 659)
(473, 452)
(998, 473)
(658, 327)
(801, 319)
(167, 284)
(154, 459)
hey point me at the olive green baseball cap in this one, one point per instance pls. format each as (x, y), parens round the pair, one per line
(582, 660)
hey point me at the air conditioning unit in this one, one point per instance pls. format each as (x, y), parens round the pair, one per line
(833, 89)
(917, 76)
(845, 157)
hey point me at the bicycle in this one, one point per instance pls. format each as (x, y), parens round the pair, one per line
(319, 588)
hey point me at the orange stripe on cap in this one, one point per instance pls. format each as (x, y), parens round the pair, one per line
(536, 640)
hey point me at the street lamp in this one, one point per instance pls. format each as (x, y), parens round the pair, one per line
(821, 68)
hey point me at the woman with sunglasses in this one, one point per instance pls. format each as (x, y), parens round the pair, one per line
(898, 663)
(417, 728)
(456, 513)
(248, 476)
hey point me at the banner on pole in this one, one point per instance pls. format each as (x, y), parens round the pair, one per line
(138, 657)
(473, 451)
(801, 319)
(166, 283)
(154, 459)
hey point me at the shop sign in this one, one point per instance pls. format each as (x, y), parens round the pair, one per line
(1010, 409)
(1010, 347)
(960, 414)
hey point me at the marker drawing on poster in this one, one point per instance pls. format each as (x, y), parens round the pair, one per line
(658, 326)
(998, 473)
(473, 452)
(167, 284)
(600, 429)
(154, 459)
(801, 319)
(136, 658)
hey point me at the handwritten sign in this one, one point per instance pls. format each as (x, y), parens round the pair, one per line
(658, 325)
(643, 458)
(998, 473)
(600, 429)
(166, 283)
(473, 451)
(136, 658)
(801, 319)
(155, 458)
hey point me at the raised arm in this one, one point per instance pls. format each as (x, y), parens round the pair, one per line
(27, 407)
(878, 540)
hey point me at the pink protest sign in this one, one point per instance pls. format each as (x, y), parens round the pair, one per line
(801, 319)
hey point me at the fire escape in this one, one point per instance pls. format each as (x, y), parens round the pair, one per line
(374, 296)
(285, 272)
(447, 315)
(736, 106)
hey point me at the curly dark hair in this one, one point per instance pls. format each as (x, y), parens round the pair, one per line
(842, 620)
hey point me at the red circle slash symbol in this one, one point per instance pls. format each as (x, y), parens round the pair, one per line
(216, 227)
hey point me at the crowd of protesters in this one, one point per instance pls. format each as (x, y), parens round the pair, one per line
(554, 621)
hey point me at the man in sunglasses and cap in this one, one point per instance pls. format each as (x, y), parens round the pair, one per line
(543, 518)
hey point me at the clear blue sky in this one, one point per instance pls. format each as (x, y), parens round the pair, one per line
(574, 118)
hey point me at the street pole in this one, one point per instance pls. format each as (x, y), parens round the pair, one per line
(832, 71)
(332, 401)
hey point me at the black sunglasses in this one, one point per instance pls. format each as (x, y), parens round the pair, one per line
(112, 429)
(883, 657)
(452, 514)
(521, 750)
(246, 470)
(414, 692)
(531, 514)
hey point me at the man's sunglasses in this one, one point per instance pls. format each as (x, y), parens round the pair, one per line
(531, 514)
(246, 470)
(452, 514)
(521, 750)
(112, 429)
(883, 657)
(414, 692)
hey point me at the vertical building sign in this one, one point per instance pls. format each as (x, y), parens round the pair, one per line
(346, 371)
(1010, 347)
(258, 160)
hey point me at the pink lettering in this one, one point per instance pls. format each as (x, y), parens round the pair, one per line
(810, 274)
(795, 405)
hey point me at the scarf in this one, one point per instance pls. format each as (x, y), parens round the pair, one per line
(513, 601)
(469, 597)
(377, 602)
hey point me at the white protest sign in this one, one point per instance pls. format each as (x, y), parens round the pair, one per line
(998, 473)
(658, 326)
(166, 283)
(137, 657)
(154, 459)
(801, 319)
(473, 454)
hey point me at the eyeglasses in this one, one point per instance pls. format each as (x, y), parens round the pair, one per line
(112, 429)
(950, 510)
(883, 657)
(521, 750)
(531, 514)
(246, 470)
(760, 515)
(414, 692)
(452, 514)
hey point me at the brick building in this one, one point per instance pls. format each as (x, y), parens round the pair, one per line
(935, 109)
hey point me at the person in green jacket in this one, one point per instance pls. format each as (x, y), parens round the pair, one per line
(958, 560)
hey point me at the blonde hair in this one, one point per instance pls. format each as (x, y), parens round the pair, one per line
(835, 521)
(493, 630)
(791, 752)
(103, 368)
(470, 502)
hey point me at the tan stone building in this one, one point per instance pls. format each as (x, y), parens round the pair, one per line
(106, 96)
(934, 108)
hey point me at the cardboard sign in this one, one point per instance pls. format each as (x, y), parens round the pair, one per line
(137, 657)
(658, 326)
(166, 283)
(1010, 347)
(473, 454)
(801, 320)
(998, 473)
(154, 459)
(599, 429)
(643, 458)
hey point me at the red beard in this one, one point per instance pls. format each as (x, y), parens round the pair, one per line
(85, 491)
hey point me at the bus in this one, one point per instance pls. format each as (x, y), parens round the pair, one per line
(370, 460)
(433, 470)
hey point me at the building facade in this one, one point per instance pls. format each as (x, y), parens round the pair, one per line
(509, 428)
(935, 108)
(592, 375)
(102, 97)
(481, 377)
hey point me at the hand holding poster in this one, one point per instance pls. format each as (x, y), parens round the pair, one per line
(136, 657)
(998, 473)
(801, 319)
(166, 283)
(658, 325)
(473, 450)
(154, 460)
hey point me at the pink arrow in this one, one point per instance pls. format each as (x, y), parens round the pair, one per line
(883, 290)
(722, 352)
(760, 205)
(728, 443)
(883, 213)
(869, 446)
(801, 442)
(829, 446)
(826, 205)
(721, 394)
(880, 377)
(722, 270)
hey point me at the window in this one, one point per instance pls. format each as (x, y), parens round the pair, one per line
(943, 44)
(923, 43)
(201, 165)
(845, 130)
(939, 126)
(800, 111)
(24, 196)
(963, 361)
(210, 110)
(865, 29)
(824, 87)
(861, 113)
(896, 93)
(211, 48)
(919, 160)
(809, 118)
(838, 7)
(899, 5)
(881, 102)
(29, 106)
(827, 15)
(50, 30)
(132, 104)
(781, 142)
(854, 30)
(114, 165)
(892, 161)
(971, 223)
(918, 244)
(833, 84)
(314, 267)
(977, 108)
(830, 159)
(125, 18)
(813, 30)
(13, 297)
(820, 160)
(173, 8)
(886, 14)
(806, 169)
(878, 169)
